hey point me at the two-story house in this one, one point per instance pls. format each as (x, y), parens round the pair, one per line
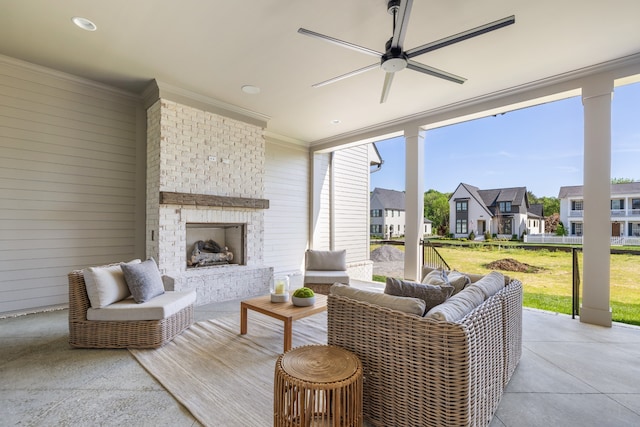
(624, 205)
(500, 211)
(388, 214)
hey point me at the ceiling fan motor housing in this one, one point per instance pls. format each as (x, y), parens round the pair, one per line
(393, 6)
(394, 59)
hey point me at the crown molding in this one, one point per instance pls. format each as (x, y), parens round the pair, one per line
(160, 90)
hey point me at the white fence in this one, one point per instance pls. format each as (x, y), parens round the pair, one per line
(577, 240)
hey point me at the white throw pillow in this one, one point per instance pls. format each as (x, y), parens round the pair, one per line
(106, 284)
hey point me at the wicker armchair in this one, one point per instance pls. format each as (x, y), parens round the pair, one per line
(424, 372)
(85, 333)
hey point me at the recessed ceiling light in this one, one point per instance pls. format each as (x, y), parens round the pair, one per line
(335, 121)
(84, 23)
(251, 90)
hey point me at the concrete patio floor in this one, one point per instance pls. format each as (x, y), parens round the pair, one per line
(571, 374)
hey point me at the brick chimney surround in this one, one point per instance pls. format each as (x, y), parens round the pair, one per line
(205, 168)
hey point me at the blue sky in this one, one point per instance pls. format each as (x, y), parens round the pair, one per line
(540, 148)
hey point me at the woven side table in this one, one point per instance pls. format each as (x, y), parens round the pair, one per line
(318, 385)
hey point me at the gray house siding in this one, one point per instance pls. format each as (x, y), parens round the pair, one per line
(69, 181)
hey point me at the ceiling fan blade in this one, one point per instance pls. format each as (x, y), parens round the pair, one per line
(339, 42)
(416, 66)
(491, 26)
(399, 31)
(388, 79)
(344, 76)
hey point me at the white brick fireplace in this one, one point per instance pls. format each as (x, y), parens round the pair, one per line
(205, 168)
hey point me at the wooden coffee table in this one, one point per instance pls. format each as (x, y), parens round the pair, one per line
(285, 311)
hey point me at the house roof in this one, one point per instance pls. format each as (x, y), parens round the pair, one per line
(389, 199)
(536, 209)
(616, 189)
(212, 48)
(515, 195)
(473, 191)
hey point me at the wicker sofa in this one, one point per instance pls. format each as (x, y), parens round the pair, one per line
(421, 371)
(140, 332)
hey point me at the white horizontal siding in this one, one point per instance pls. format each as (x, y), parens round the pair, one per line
(321, 203)
(67, 181)
(287, 219)
(351, 174)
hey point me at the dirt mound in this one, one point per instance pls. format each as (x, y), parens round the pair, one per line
(387, 253)
(510, 264)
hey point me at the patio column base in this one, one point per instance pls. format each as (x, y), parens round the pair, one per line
(595, 316)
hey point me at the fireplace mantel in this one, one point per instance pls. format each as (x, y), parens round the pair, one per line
(171, 198)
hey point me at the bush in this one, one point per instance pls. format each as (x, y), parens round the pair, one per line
(487, 236)
(560, 230)
(472, 236)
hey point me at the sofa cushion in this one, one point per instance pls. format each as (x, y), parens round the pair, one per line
(158, 308)
(459, 305)
(473, 277)
(326, 260)
(458, 280)
(144, 280)
(432, 295)
(106, 284)
(405, 304)
(439, 277)
(490, 284)
(436, 277)
(325, 277)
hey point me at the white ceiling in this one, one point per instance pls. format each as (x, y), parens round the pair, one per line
(213, 47)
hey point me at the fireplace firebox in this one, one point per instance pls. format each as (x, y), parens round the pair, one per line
(214, 244)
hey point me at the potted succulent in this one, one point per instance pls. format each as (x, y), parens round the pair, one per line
(303, 297)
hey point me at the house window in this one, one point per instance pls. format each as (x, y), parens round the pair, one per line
(504, 206)
(635, 204)
(504, 227)
(386, 212)
(376, 212)
(617, 204)
(462, 206)
(577, 205)
(461, 226)
(376, 229)
(576, 229)
(634, 229)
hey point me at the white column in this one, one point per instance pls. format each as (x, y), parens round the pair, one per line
(596, 99)
(414, 202)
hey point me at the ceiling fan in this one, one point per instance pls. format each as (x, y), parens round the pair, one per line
(395, 58)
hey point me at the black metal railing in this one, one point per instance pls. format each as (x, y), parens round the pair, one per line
(575, 292)
(431, 257)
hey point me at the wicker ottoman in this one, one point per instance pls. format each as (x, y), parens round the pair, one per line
(317, 385)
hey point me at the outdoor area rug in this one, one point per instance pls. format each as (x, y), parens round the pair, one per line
(224, 378)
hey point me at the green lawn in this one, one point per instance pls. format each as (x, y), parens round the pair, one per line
(550, 288)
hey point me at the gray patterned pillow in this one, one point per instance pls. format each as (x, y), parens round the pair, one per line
(144, 280)
(432, 295)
